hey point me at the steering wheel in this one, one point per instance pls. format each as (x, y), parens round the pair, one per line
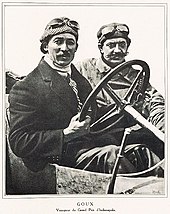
(114, 114)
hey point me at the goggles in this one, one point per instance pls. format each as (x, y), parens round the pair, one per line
(61, 22)
(117, 29)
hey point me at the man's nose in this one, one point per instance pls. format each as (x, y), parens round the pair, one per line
(117, 49)
(64, 46)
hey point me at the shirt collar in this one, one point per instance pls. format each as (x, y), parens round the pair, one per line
(102, 66)
(63, 71)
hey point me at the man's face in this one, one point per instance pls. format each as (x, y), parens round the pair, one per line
(114, 50)
(61, 48)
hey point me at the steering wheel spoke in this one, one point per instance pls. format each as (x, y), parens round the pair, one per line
(113, 114)
(135, 84)
(112, 94)
(105, 116)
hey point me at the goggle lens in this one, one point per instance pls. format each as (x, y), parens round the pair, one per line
(61, 22)
(120, 28)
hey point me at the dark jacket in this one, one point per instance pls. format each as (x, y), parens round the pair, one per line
(41, 106)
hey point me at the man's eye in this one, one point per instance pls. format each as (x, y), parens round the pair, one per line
(58, 42)
(111, 45)
(122, 44)
(71, 42)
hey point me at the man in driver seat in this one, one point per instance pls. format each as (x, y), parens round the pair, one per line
(113, 44)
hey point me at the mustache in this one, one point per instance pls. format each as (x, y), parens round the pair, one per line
(65, 53)
(117, 54)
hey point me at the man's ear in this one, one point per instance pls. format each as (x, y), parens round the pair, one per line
(100, 47)
(101, 50)
(45, 46)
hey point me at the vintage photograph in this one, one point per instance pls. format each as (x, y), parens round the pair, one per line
(84, 90)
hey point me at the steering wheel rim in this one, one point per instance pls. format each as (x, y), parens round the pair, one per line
(145, 74)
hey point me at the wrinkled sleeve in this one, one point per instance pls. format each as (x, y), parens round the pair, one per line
(79, 66)
(83, 68)
(155, 104)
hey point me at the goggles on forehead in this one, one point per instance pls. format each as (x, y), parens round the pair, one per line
(61, 22)
(112, 29)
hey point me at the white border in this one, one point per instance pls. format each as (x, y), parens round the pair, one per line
(20, 204)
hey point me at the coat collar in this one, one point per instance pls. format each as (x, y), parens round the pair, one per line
(119, 81)
(58, 85)
(102, 66)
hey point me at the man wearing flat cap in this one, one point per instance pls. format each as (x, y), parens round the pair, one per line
(45, 105)
(113, 44)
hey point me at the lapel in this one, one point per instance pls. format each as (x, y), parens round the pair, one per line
(83, 85)
(58, 85)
